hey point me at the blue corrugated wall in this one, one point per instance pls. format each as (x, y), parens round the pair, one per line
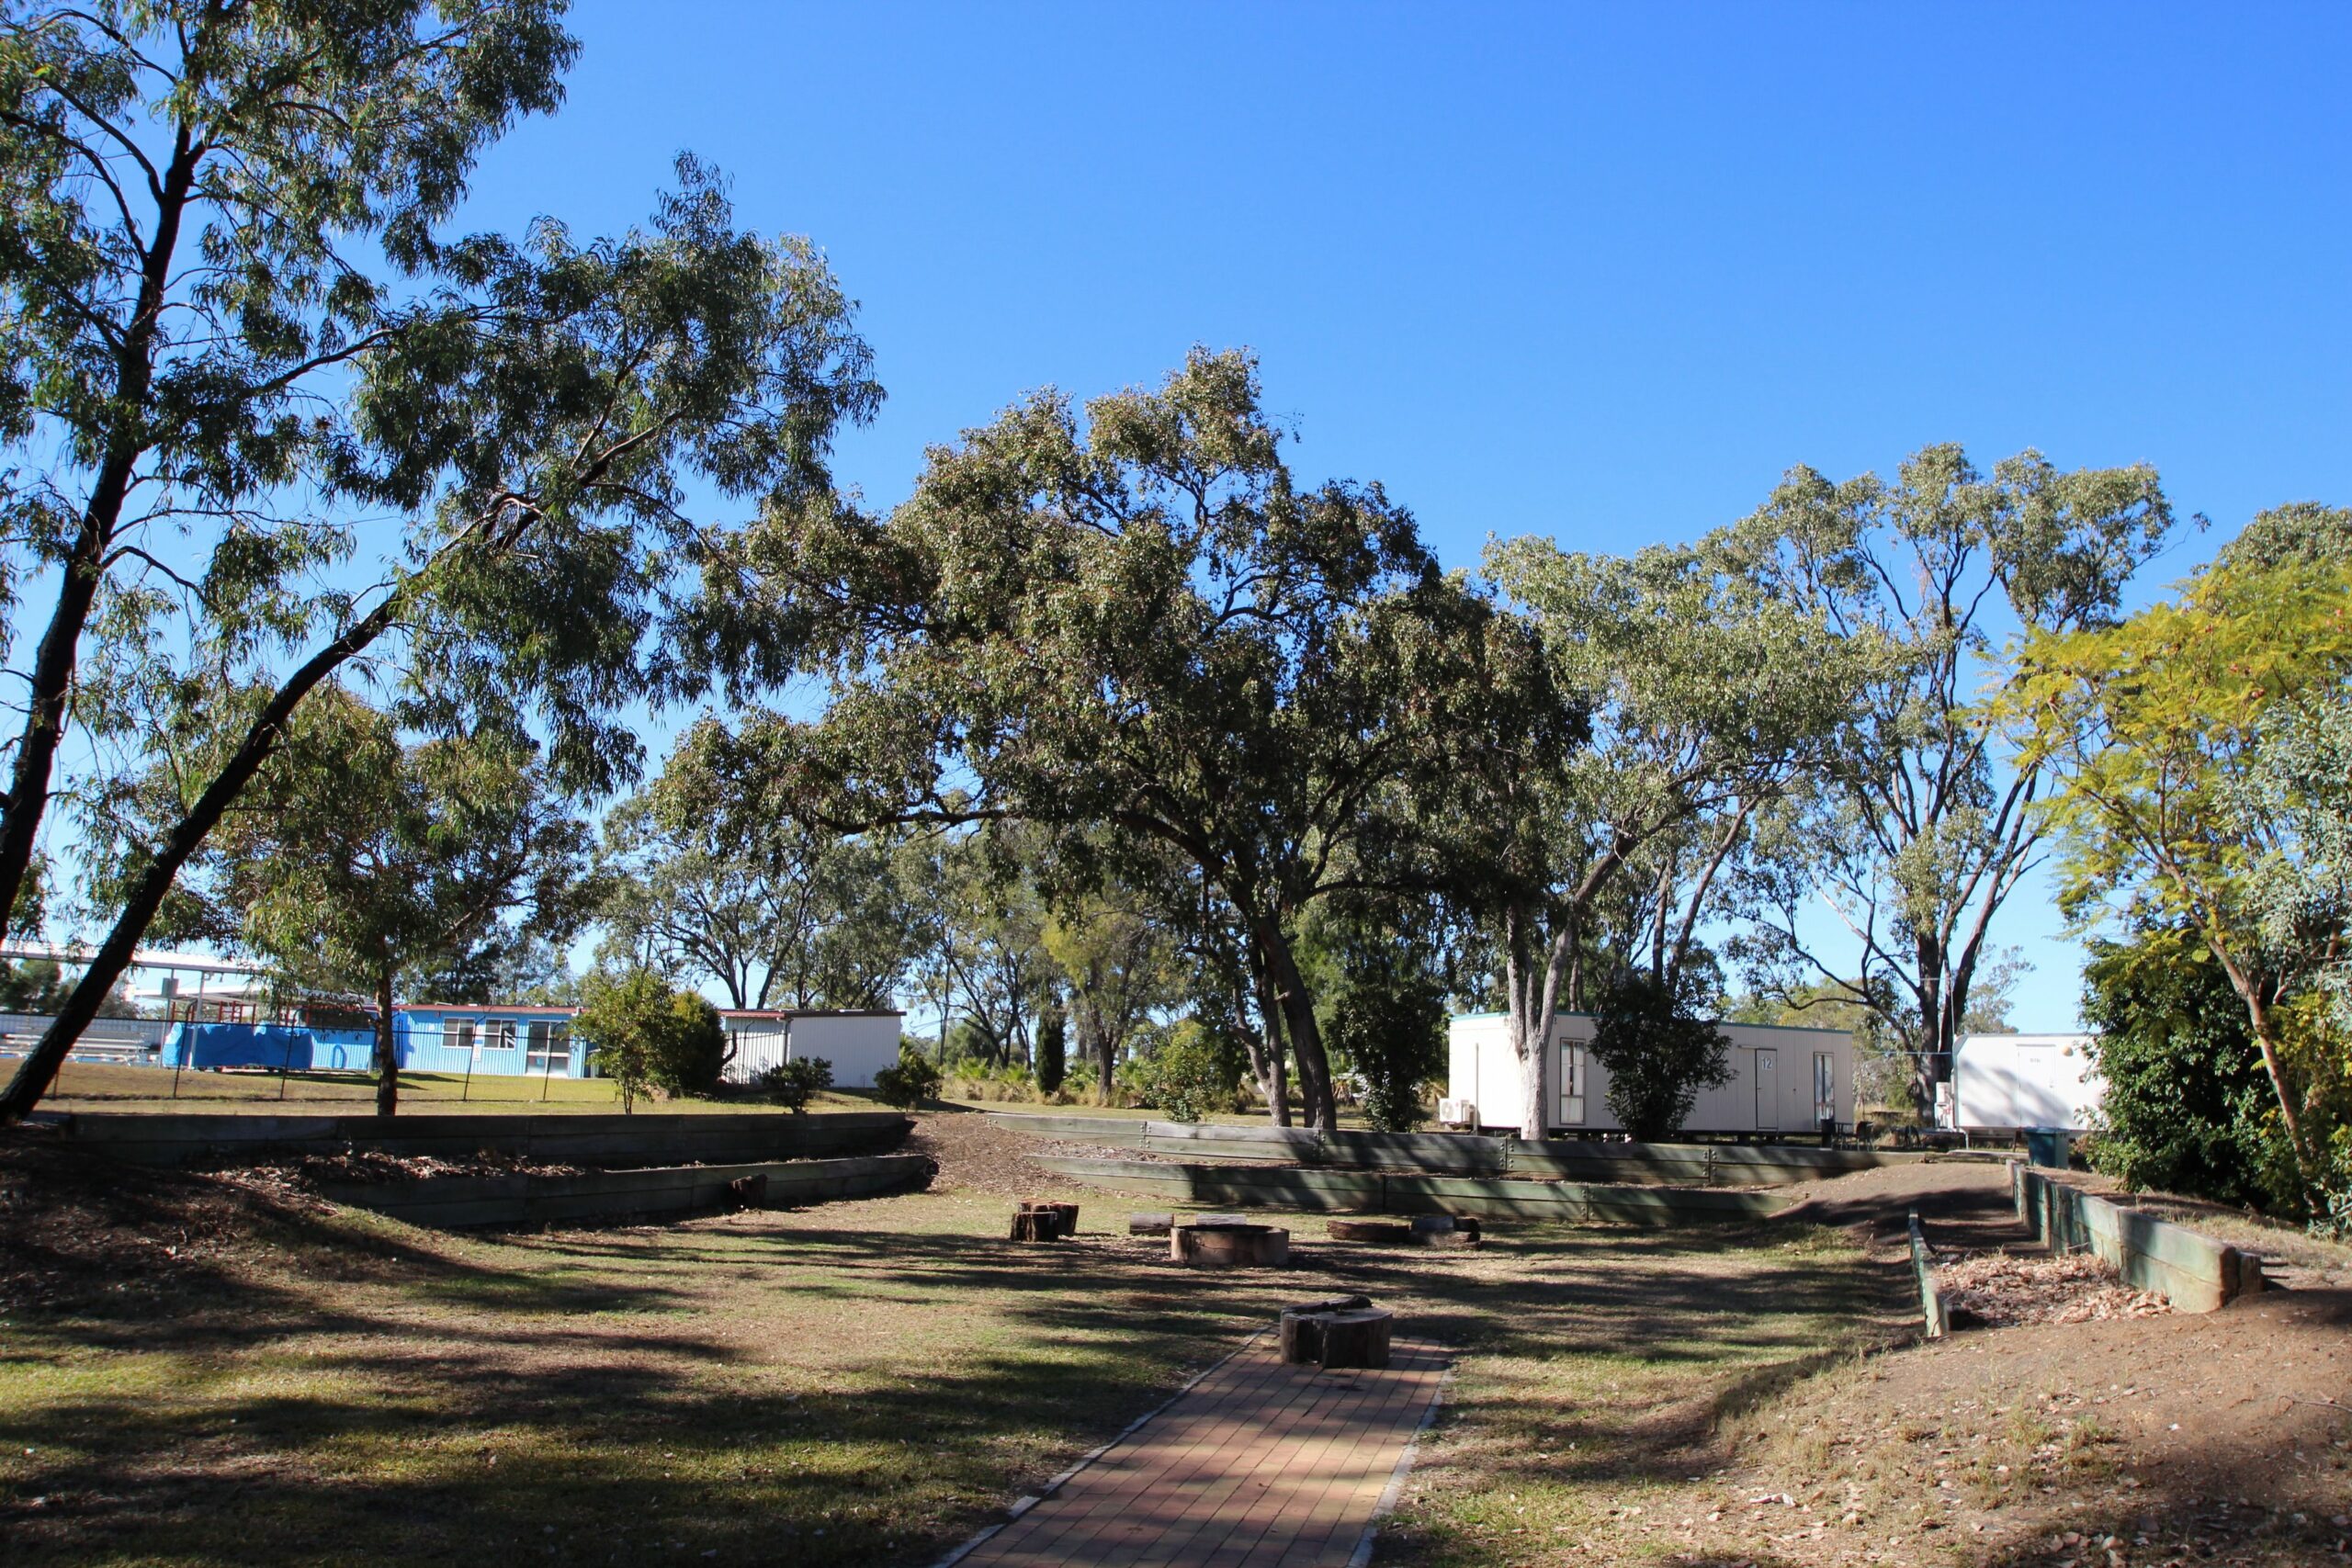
(418, 1039)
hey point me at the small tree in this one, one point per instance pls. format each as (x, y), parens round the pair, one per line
(1189, 1076)
(625, 1020)
(1392, 1029)
(1658, 1053)
(1052, 1049)
(691, 1051)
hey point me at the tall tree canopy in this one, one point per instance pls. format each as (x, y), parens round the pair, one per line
(1923, 822)
(1139, 620)
(237, 330)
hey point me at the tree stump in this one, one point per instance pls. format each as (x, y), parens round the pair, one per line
(1387, 1231)
(748, 1192)
(1150, 1224)
(1045, 1222)
(1355, 1338)
(1302, 1326)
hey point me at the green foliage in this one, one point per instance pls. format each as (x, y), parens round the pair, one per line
(644, 1035)
(1658, 1054)
(1188, 1075)
(623, 1019)
(1139, 622)
(907, 1085)
(2185, 1108)
(1391, 1030)
(796, 1082)
(691, 1052)
(1052, 1049)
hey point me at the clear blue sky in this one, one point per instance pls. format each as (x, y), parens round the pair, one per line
(1600, 274)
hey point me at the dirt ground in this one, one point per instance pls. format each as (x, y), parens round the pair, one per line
(199, 1367)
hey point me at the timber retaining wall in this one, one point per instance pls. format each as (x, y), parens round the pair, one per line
(647, 1139)
(459, 1202)
(1466, 1153)
(1368, 1191)
(2191, 1270)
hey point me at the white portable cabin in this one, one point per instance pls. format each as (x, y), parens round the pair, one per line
(2003, 1082)
(1783, 1080)
(858, 1045)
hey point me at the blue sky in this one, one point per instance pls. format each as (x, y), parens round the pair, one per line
(1598, 274)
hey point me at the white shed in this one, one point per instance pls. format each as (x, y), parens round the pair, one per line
(1783, 1080)
(2001, 1082)
(858, 1045)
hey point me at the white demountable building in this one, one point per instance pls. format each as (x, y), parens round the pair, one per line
(2003, 1082)
(1784, 1081)
(858, 1045)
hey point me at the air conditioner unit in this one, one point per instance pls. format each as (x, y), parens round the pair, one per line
(1457, 1112)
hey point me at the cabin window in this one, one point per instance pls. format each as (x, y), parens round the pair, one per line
(1825, 1086)
(498, 1035)
(460, 1033)
(1573, 1071)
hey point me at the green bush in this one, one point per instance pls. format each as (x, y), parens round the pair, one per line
(2186, 1107)
(907, 1085)
(1658, 1053)
(1188, 1077)
(691, 1052)
(1053, 1050)
(796, 1082)
(1391, 1030)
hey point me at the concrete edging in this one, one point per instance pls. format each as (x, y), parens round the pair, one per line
(2191, 1270)
(1931, 1301)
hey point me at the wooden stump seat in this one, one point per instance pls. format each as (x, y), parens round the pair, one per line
(1045, 1222)
(1345, 1331)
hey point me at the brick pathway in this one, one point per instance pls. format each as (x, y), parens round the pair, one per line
(1258, 1465)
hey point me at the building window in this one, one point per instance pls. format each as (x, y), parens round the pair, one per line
(459, 1035)
(550, 1047)
(498, 1035)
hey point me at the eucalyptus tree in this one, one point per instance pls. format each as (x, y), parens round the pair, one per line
(237, 335)
(1922, 821)
(1699, 698)
(360, 860)
(779, 912)
(1139, 622)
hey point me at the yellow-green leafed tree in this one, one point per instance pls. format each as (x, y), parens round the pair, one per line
(2165, 727)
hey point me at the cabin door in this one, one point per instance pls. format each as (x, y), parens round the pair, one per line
(1768, 1090)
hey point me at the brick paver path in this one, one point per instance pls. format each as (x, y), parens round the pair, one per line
(1258, 1465)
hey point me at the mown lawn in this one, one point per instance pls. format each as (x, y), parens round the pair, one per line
(860, 1383)
(98, 1086)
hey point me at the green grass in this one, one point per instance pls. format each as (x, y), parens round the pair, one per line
(863, 1382)
(92, 1086)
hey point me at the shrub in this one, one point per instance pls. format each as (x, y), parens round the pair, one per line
(907, 1085)
(1188, 1077)
(1392, 1029)
(1658, 1056)
(691, 1051)
(796, 1082)
(1053, 1050)
(2186, 1107)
